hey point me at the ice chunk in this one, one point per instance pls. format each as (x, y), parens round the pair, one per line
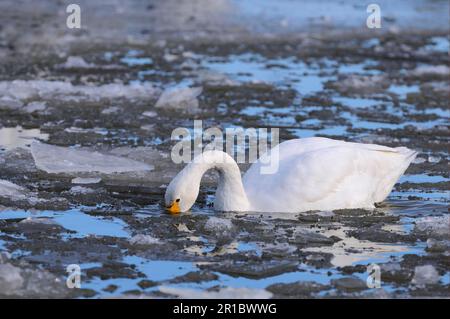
(425, 275)
(20, 90)
(218, 225)
(438, 246)
(431, 70)
(150, 114)
(434, 159)
(434, 225)
(39, 221)
(183, 228)
(214, 78)
(110, 110)
(76, 62)
(222, 293)
(30, 283)
(361, 84)
(419, 160)
(35, 106)
(14, 137)
(87, 180)
(10, 103)
(81, 190)
(179, 98)
(10, 279)
(12, 191)
(56, 159)
(170, 57)
(142, 239)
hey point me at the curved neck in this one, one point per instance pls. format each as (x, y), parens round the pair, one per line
(230, 193)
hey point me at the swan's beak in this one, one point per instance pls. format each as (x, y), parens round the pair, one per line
(173, 208)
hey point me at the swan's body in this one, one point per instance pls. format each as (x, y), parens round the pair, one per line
(313, 174)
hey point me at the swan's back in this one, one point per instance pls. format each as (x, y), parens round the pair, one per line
(325, 174)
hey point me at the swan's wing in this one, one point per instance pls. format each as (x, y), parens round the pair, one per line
(346, 175)
(300, 180)
(320, 173)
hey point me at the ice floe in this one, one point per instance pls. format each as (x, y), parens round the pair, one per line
(86, 180)
(13, 93)
(179, 98)
(26, 282)
(142, 239)
(12, 191)
(425, 275)
(431, 70)
(57, 159)
(433, 225)
(361, 84)
(81, 190)
(76, 62)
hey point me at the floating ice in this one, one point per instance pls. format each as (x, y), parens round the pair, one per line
(19, 90)
(81, 190)
(13, 137)
(361, 84)
(10, 279)
(30, 283)
(56, 159)
(10, 103)
(213, 78)
(150, 114)
(35, 106)
(168, 57)
(438, 246)
(39, 221)
(431, 70)
(87, 180)
(218, 225)
(425, 275)
(110, 110)
(438, 226)
(434, 159)
(222, 293)
(142, 239)
(179, 98)
(12, 191)
(76, 62)
(183, 228)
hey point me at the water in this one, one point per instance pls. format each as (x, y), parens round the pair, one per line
(297, 99)
(439, 44)
(281, 71)
(75, 220)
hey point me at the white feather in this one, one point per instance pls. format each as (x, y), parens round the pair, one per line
(313, 174)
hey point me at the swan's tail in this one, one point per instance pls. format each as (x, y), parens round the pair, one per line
(410, 155)
(402, 164)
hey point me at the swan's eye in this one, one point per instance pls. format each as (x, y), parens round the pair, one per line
(177, 200)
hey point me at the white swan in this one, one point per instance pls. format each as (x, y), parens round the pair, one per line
(314, 174)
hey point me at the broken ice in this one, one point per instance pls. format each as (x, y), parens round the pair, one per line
(56, 159)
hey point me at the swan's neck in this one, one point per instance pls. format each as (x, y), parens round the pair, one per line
(230, 193)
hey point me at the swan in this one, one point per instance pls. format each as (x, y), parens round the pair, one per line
(313, 173)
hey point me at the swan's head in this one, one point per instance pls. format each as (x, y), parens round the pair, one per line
(181, 194)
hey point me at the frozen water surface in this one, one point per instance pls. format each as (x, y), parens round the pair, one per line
(12, 137)
(91, 191)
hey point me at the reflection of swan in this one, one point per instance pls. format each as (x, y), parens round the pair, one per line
(313, 174)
